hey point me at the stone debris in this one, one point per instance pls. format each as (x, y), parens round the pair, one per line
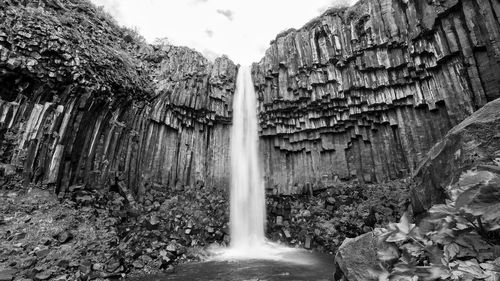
(321, 222)
(60, 238)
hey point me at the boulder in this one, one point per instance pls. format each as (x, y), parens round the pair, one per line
(64, 237)
(357, 258)
(474, 144)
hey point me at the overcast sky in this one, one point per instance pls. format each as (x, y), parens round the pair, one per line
(241, 29)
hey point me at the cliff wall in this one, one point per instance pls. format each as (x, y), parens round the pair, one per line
(85, 101)
(363, 93)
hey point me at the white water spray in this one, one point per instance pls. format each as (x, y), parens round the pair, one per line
(247, 186)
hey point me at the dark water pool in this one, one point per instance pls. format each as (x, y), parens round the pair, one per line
(297, 266)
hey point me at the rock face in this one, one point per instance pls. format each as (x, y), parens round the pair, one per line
(473, 144)
(363, 93)
(357, 258)
(84, 101)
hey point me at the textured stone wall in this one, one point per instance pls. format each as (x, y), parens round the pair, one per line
(84, 101)
(363, 93)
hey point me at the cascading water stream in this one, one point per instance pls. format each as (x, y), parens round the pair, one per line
(248, 208)
(247, 186)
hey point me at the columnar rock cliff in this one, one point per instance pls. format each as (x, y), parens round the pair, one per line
(363, 93)
(84, 101)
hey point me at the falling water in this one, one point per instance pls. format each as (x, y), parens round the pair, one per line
(247, 187)
(248, 209)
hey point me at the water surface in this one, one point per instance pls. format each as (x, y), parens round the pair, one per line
(308, 267)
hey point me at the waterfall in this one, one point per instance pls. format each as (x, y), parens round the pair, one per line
(248, 207)
(247, 186)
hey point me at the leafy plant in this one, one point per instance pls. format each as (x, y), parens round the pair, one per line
(459, 240)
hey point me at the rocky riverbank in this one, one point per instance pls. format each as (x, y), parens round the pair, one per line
(92, 235)
(99, 236)
(323, 219)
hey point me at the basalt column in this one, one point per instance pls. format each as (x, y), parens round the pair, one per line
(83, 101)
(364, 92)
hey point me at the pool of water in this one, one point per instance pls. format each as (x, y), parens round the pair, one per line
(297, 265)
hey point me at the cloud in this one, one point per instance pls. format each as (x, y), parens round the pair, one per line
(227, 13)
(210, 55)
(210, 33)
(215, 27)
(336, 4)
(112, 7)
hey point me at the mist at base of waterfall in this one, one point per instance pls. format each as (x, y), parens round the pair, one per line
(296, 265)
(263, 251)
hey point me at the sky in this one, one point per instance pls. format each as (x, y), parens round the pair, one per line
(240, 29)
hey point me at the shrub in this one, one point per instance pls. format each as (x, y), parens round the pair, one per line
(459, 240)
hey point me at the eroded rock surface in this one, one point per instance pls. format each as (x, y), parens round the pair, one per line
(84, 101)
(474, 144)
(363, 93)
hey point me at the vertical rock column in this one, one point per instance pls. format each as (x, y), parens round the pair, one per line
(364, 92)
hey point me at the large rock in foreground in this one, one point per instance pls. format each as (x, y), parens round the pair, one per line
(357, 259)
(472, 144)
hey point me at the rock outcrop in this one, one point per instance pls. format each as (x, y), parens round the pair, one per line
(363, 93)
(474, 144)
(358, 258)
(84, 101)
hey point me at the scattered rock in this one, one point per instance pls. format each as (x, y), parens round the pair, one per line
(172, 248)
(64, 237)
(7, 274)
(28, 262)
(138, 264)
(44, 275)
(112, 265)
(41, 252)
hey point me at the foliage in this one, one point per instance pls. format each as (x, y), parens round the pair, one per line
(164, 41)
(459, 240)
